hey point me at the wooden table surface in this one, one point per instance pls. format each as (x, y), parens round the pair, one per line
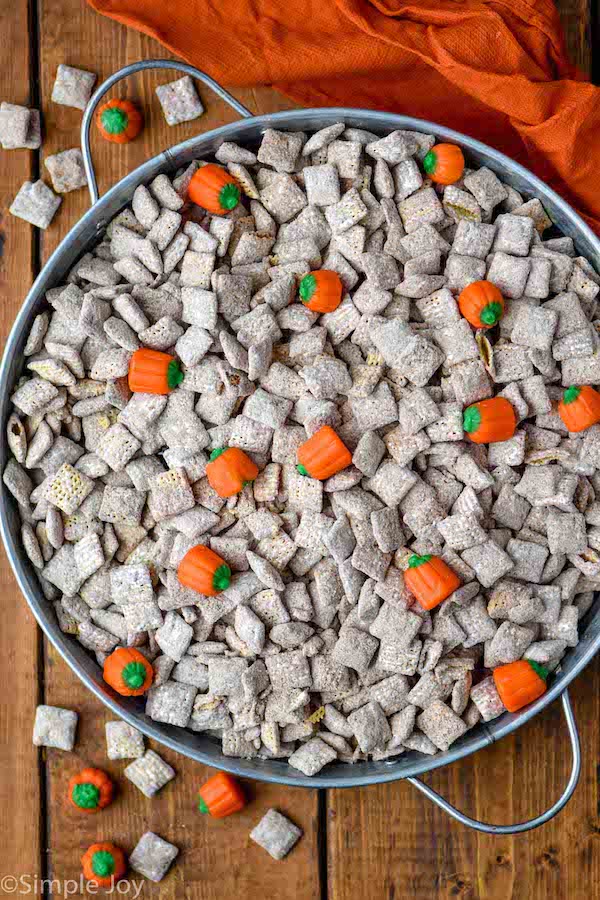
(376, 843)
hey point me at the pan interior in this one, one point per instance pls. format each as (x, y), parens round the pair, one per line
(86, 234)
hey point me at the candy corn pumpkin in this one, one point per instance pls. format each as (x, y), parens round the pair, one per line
(203, 570)
(90, 790)
(490, 421)
(214, 189)
(444, 163)
(104, 863)
(153, 372)
(430, 580)
(128, 672)
(323, 454)
(579, 407)
(119, 121)
(321, 291)
(520, 683)
(481, 304)
(230, 470)
(221, 796)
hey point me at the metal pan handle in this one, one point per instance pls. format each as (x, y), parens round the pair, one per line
(531, 823)
(141, 66)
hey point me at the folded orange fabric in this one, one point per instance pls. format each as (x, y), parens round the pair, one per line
(495, 70)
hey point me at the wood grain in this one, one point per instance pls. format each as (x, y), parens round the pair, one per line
(217, 859)
(576, 18)
(19, 761)
(390, 843)
(383, 843)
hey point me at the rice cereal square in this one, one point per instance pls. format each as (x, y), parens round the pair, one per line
(276, 834)
(152, 856)
(54, 727)
(66, 170)
(36, 203)
(149, 773)
(179, 100)
(73, 87)
(123, 741)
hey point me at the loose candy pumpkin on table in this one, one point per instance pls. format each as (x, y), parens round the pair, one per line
(520, 683)
(490, 421)
(481, 304)
(430, 580)
(444, 163)
(203, 570)
(214, 189)
(90, 790)
(321, 291)
(221, 796)
(153, 372)
(119, 121)
(104, 863)
(579, 407)
(128, 672)
(323, 455)
(230, 470)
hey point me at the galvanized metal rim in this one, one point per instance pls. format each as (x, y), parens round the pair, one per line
(71, 651)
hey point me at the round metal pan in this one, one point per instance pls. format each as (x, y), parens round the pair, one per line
(83, 237)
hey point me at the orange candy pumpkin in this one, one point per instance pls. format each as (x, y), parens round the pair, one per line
(128, 672)
(481, 304)
(430, 580)
(104, 863)
(214, 189)
(119, 121)
(520, 683)
(90, 790)
(321, 291)
(229, 471)
(323, 454)
(490, 421)
(153, 372)
(579, 407)
(203, 570)
(221, 796)
(444, 163)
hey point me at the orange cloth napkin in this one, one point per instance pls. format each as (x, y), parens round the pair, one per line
(494, 69)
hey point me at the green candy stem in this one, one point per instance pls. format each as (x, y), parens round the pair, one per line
(174, 374)
(103, 863)
(308, 286)
(430, 162)
(229, 196)
(415, 561)
(302, 469)
(471, 419)
(491, 313)
(134, 675)
(85, 796)
(571, 394)
(202, 806)
(114, 120)
(542, 671)
(222, 577)
(217, 452)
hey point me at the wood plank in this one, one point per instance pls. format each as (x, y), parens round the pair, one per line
(69, 29)
(391, 842)
(217, 860)
(20, 762)
(576, 18)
